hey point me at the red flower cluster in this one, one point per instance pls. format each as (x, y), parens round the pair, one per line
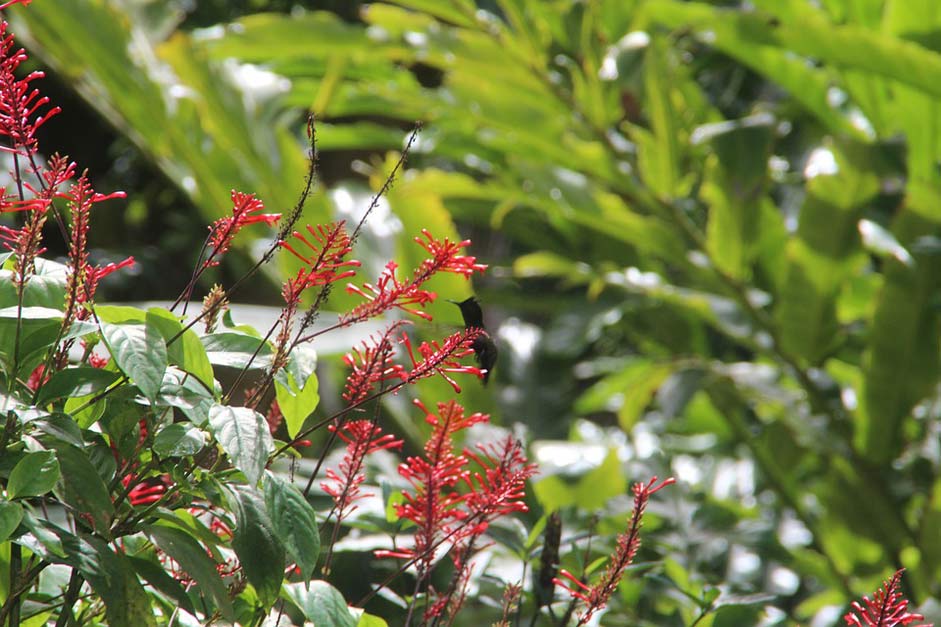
(391, 293)
(362, 437)
(326, 262)
(888, 607)
(443, 359)
(370, 365)
(21, 106)
(245, 208)
(595, 597)
(442, 512)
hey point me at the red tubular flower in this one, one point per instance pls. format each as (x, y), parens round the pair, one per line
(443, 359)
(434, 504)
(445, 257)
(224, 230)
(596, 596)
(501, 488)
(21, 107)
(325, 264)
(362, 437)
(12, 2)
(390, 293)
(371, 365)
(888, 607)
(148, 491)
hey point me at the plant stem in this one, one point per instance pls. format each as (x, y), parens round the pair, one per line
(16, 562)
(71, 594)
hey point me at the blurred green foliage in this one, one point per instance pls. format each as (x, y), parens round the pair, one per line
(716, 229)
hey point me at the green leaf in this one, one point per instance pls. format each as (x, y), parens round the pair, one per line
(10, 516)
(112, 577)
(294, 522)
(370, 620)
(34, 475)
(321, 603)
(81, 486)
(46, 288)
(119, 314)
(257, 546)
(73, 382)
(591, 491)
(245, 437)
(297, 404)
(734, 187)
(140, 352)
(628, 391)
(237, 350)
(156, 576)
(194, 561)
(187, 350)
(179, 440)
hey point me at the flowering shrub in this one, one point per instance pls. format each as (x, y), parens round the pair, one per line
(136, 489)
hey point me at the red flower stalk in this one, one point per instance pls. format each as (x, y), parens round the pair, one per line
(12, 2)
(362, 437)
(391, 293)
(443, 359)
(501, 488)
(596, 596)
(434, 504)
(371, 365)
(245, 208)
(445, 257)
(21, 107)
(497, 492)
(888, 607)
(83, 278)
(326, 262)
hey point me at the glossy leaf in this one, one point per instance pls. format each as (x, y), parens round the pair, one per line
(10, 516)
(321, 603)
(34, 475)
(294, 522)
(179, 440)
(256, 544)
(244, 436)
(140, 352)
(194, 560)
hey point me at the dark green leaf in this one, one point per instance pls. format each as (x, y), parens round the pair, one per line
(81, 381)
(194, 560)
(321, 603)
(34, 475)
(294, 522)
(257, 546)
(10, 516)
(155, 575)
(81, 486)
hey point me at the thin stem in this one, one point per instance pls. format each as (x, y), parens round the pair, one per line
(16, 562)
(71, 594)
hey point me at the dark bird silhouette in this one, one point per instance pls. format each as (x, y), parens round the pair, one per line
(485, 349)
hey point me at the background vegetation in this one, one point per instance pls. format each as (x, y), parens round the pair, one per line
(714, 231)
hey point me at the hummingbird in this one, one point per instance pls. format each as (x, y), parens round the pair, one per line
(485, 349)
